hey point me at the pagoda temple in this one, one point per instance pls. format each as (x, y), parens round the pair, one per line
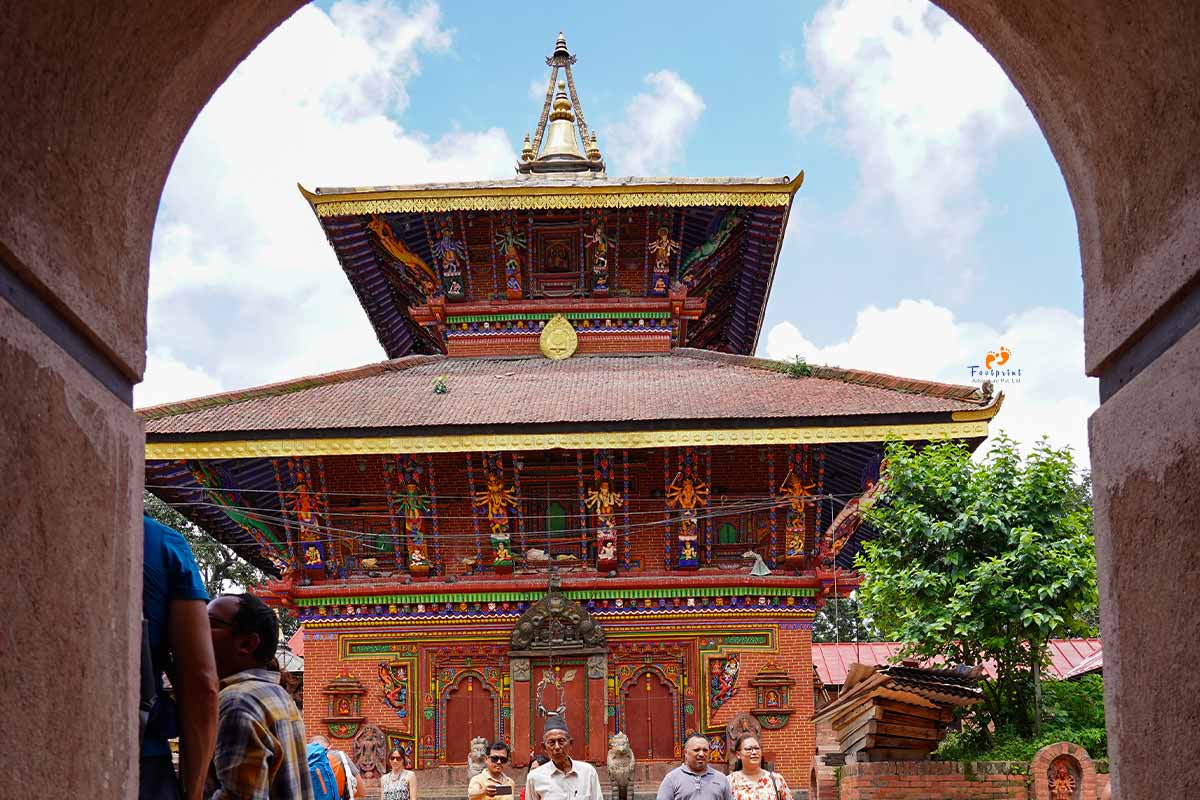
(571, 488)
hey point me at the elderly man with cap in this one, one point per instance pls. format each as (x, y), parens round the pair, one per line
(562, 778)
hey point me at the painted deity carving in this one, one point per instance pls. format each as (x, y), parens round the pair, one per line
(687, 494)
(599, 241)
(414, 503)
(798, 494)
(510, 243)
(452, 257)
(848, 521)
(210, 478)
(1062, 783)
(722, 681)
(397, 249)
(662, 248)
(370, 751)
(394, 678)
(603, 502)
(496, 499)
(695, 259)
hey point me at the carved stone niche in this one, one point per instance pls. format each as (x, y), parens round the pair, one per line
(556, 625)
(772, 697)
(343, 711)
(1063, 771)
(518, 669)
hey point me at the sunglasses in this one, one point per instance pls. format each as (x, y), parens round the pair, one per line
(397, 758)
(499, 759)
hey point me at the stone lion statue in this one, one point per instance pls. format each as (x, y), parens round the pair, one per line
(370, 751)
(620, 765)
(477, 760)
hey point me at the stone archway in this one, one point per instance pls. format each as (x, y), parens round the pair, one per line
(96, 100)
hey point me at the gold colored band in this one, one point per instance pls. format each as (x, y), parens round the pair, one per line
(531, 202)
(465, 443)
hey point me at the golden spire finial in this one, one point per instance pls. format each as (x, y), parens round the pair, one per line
(561, 120)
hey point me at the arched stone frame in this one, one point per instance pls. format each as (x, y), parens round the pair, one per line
(1045, 759)
(1128, 181)
(676, 700)
(440, 721)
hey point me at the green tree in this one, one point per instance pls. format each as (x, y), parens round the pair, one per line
(841, 620)
(221, 569)
(982, 559)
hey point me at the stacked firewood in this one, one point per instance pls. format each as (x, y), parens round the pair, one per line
(897, 713)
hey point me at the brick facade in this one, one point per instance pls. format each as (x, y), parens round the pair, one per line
(327, 656)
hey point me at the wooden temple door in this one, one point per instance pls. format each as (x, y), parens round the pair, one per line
(648, 714)
(470, 712)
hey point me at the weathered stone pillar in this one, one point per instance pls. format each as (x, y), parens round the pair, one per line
(597, 678)
(522, 724)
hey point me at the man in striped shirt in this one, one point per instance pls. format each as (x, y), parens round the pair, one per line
(260, 735)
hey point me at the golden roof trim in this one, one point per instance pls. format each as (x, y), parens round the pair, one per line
(523, 198)
(985, 413)
(464, 443)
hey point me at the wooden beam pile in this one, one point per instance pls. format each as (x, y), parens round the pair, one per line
(897, 713)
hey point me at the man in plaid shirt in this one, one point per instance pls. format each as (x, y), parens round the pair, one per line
(260, 735)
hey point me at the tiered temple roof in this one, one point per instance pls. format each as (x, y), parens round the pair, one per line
(560, 312)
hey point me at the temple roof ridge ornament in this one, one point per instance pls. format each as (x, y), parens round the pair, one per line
(564, 115)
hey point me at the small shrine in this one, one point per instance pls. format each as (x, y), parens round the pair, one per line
(343, 705)
(572, 486)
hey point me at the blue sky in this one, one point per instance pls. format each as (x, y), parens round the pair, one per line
(932, 227)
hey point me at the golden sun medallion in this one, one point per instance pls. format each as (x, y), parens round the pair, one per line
(558, 339)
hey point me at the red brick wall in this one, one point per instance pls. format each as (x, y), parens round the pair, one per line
(790, 748)
(931, 780)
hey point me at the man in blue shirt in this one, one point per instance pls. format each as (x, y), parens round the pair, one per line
(174, 605)
(694, 779)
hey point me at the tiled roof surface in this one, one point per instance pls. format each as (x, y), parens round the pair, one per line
(832, 661)
(685, 385)
(569, 180)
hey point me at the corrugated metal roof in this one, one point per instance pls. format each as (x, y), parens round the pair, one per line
(832, 661)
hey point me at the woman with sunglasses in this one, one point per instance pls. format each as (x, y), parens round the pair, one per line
(750, 780)
(400, 782)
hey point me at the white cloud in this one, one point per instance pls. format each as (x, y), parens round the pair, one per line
(169, 379)
(650, 138)
(919, 339)
(922, 106)
(787, 59)
(806, 109)
(537, 90)
(243, 285)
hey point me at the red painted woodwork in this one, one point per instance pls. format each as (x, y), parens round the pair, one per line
(574, 697)
(649, 708)
(470, 712)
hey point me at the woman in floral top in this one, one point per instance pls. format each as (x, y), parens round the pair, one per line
(750, 781)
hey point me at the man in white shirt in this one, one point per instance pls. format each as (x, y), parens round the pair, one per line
(562, 778)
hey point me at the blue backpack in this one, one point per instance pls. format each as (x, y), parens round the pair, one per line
(323, 781)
